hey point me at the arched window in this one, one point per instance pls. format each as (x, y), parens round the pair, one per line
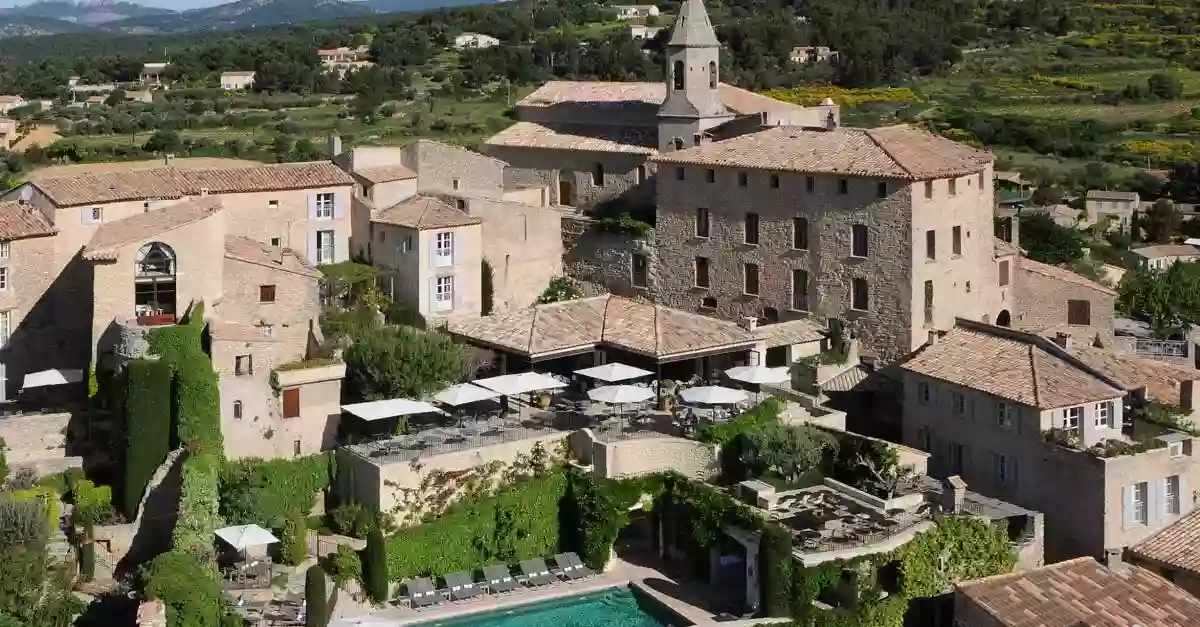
(678, 143)
(677, 76)
(712, 74)
(154, 284)
(237, 410)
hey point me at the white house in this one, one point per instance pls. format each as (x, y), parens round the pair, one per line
(237, 81)
(475, 40)
(634, 11)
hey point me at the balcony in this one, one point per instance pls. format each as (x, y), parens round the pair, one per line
(155, 319)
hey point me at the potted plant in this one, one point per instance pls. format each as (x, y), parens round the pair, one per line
(544, 400)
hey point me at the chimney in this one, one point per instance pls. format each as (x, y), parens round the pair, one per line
(1187, 399)
(954, 492)
(933, 337)
(203, 192)
(335, 145)
(1063, 340)
(169, 159)
(1113, 560)
(751, 323)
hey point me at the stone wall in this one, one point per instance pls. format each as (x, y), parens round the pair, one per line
(31, 271)
(523, 244)
(656, 454)
(1042, 302)
(35, 438)
(442, 168)
(602, 260)
(628, 177)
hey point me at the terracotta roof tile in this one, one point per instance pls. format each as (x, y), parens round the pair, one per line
(648, 95)
(105, 187)
(596, 138)
(790, 332)
(112, 235)
(1011, 365)
(1004, 249)
(18, 220)
(424, 212)
(1101, 194)
(1161, 379)
(1062, 274)
(1177, 546)
(580, 324)
(898, 152)
(384, 174)
(1082, 592)
(256, 252)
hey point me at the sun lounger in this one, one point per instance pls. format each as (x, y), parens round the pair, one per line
(499, 579)
(564, 568)
(536, 574)
(461, 586)
(581, 571)
(422, 593)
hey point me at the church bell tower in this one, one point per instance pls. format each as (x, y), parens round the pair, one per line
(693, 102)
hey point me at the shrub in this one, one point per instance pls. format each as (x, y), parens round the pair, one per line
(147, 428)
(351, 519)
(375, 566)
(196, 397)
(560, 288)
(345, 566)
(265, 492)
(775, 565)
(22, 522)
(51, 507)
(92, 502)
(294, 544)
(766, 412)
(198, 516)
(188, 589)
(591, 519)
(466, 535)
(402, 362)
(315, 614)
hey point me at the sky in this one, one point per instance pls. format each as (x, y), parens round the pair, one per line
(178, 5)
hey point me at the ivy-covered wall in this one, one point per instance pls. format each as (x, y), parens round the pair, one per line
(266, 492)
(147, 428)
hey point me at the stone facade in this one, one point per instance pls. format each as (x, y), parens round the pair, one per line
(1043, 304)
(523, 245)
(27, 301)
(601, 260)
(409, 271)
(571, 175)
(895, 268)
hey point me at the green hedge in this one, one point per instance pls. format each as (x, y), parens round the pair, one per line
(198, 517)
(188, 589)
(147, 428)
(766, 412)
(265, 492)
(466, 538)
(316, 613)
(775, 567)
(375, 566)
(592, 515)
(197, 402)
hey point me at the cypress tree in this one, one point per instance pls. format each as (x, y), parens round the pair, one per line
(375, 575)
(316, 614)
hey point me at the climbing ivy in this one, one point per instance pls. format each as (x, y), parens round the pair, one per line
(147, 428)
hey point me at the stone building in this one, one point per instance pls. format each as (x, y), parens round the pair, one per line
(237, 81)
(1021, 418)
(27, 332)
(1101, 204)
(591, 142)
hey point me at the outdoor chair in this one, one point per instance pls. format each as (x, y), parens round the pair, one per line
(422, 593)
(461, 586)
(580, 569)
(499, 579)
(564, 568)
(536, 574)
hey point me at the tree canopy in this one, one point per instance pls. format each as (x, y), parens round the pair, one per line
(402, 362)
(1047, 242)
(1166, 300)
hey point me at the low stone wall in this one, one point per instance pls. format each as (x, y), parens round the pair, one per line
(647, 455)
(34, 439)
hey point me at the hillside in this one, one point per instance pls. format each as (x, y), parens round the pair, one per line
(85, 13)
(243, 14)
(23, 25)
(400, 6)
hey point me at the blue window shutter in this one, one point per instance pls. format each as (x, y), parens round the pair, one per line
(312, 206)
(1127, 513)
(339, 206)
(312, 248)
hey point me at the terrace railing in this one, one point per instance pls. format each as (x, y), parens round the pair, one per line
(1161, 348)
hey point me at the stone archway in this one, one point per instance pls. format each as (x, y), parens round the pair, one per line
(1004, 319)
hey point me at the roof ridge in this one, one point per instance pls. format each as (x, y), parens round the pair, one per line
(604, 317)
(1033, 368)
(870, 133)
(1017, 574)
(657, 329)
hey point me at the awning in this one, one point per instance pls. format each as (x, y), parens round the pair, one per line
(391, 408)
(47, 378)
(464, 393)
(245, 536)
(514, 384)
(613, 372)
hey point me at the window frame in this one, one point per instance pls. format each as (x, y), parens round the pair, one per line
(743, 178)
(1004, 415)
(749, 269)
(750, 229)
(931, 245)
(443, 248)
(923, 392)
(855, 292)
(799, 301)
(697, 264)
(633, 270)
(326, 254)
(1073, 312)
(956, 241)
(1005, 273)
(243, 368)
(1171, 498)
(323, 205)
(860, 233)
(266, 293)
(5, 249)
(5, 327)
(710, 176)
(703, 222)
(928, 190)
(1141, 509)
(958, 404)
(810, 184)
(443, 293)
(843, 187)
(1102, 415)
(290, 398)
(4, 278)
(800, 233)
(773, 181)
(1072, 419)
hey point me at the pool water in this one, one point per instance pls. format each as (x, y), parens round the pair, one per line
(619, 607)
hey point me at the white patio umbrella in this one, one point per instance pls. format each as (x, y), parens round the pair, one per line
(619, 395)
(613, 372)
(47, 378)
(390, 408)
(758, 374)
(242, 537)
(464, 393)
(713, 395)
(521, 383)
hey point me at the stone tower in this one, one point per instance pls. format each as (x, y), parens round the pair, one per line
(693, 103)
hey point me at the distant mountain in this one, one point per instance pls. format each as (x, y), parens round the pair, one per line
(243, 14)
(399, 6)
(84, 12)
(20, 26)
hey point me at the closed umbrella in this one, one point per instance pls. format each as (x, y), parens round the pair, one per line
(613, 372)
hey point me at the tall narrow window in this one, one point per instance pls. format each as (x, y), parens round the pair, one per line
(443, 293)
(929, 302)
(800, 290)
(858, 240)
(774, 181)
(742, 179)
(931, 244)
(750, 280)
(641, 174)
(843, 187)
(752, 228)
(679, 172)
(1139, 502)
(712, 75)
(1003, 273)
(237, 410)
(702, 222)
(701, 271)
(810, 184)
(800, 233)
(5, 327)
(956, 241)
(953, 187)
(677, 75)
(325, 247)
(1103, 413)
(710, 176)
(929, 189)
(598, 175)
(1171, 495)
(859, 298)
(640, 270)
(881, 189)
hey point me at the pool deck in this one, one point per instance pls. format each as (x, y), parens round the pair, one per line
(619, 575)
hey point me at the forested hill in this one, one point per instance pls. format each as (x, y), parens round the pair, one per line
(879, 41)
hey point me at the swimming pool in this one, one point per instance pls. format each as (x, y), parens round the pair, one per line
(615, 607)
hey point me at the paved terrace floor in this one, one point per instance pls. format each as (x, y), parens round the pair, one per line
(687, 599)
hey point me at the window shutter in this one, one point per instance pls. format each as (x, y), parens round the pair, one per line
(432, 250)
(457, 295)
(1185, 495)
(339, 206)
(1156, 500)
(291, 403)
(312, 206)
(455, 251)
(432, 295)
(312, 247)
(1127, 510)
